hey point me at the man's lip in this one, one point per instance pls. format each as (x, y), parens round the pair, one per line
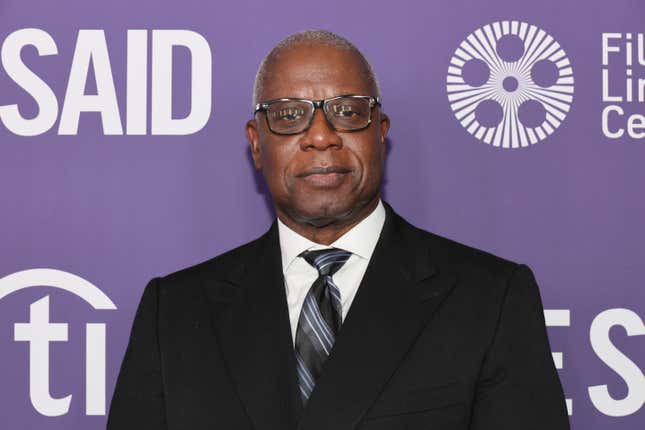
(323, 171)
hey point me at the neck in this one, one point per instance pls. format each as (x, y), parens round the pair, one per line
(329, 232)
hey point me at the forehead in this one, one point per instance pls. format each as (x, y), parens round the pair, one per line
(315, 72)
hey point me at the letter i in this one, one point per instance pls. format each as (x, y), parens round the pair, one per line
(95, 369)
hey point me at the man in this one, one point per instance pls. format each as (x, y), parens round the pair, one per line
(342, 315)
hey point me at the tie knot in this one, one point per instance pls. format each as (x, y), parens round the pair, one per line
(326, 261)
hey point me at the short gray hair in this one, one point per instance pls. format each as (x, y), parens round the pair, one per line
(315, 37)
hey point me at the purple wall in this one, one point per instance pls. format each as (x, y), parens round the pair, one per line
(117, 210)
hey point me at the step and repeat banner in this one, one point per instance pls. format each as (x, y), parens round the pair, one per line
(518, 127)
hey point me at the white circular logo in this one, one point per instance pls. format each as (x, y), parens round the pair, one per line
(510, 84)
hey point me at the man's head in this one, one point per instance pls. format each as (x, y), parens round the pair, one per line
(316, 65)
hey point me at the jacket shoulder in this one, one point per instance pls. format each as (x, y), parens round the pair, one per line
(223, 266)
(459, 257)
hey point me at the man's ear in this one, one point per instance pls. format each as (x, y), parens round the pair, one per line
(253, 138)
(384, 123)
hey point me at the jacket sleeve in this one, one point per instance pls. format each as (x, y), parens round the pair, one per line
(518, 386)
(138, 400)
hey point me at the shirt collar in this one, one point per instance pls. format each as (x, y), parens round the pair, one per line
(360, 240)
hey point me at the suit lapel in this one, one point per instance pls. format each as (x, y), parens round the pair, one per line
(399, 293)
(253, 331)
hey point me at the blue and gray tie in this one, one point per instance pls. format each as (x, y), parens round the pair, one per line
(320, 318)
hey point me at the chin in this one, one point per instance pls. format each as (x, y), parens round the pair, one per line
(322, 213)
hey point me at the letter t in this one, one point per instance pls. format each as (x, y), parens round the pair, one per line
(39, 332)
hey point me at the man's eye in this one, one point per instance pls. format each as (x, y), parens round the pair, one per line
(289, 114)
(346, 111)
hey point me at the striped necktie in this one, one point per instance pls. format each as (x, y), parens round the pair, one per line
(320, 317)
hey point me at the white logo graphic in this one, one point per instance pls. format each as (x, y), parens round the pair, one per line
(510, 84)
(39, 332)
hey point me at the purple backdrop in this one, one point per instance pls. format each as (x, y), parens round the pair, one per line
(118, 210)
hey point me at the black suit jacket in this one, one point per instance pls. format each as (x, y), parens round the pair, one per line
(439, 336)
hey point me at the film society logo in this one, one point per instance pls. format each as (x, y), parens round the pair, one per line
(510, 84)
(39, 332)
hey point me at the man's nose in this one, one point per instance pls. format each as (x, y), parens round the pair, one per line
(320, 134)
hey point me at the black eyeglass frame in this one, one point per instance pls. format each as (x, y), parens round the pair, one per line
(264, 107)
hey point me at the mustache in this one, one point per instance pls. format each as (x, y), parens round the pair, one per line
(323, 170)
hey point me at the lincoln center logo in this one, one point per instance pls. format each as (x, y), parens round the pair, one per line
(510, 84)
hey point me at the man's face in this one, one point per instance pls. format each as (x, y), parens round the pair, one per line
(356, 158)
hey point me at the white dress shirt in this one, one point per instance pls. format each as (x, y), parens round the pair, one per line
(300, 275)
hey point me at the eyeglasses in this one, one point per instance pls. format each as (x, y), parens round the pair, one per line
(344, 113)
